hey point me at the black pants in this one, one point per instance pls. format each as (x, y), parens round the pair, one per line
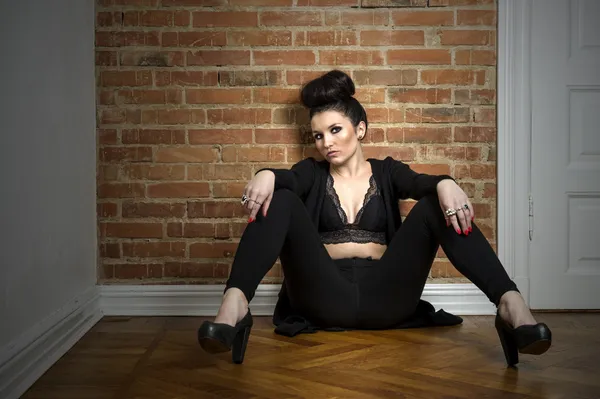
(356, 292)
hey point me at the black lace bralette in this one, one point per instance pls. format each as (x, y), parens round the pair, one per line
(370, 223)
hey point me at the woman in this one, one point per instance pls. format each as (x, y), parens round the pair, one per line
(348, 259)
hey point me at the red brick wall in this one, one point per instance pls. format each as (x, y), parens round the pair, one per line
(194, 96)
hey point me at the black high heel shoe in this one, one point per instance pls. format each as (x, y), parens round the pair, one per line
(528, 339)
(220, 337)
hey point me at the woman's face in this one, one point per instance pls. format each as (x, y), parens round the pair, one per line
(335, 137)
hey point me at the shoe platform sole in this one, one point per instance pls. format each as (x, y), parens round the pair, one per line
(536, 348)
(212, 345)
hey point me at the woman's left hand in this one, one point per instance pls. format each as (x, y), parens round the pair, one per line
(451, 196)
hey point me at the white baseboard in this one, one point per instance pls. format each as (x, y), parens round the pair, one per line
(204, 300)
(24, 360)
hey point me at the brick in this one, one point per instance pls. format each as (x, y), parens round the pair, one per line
(191, 230)
(432, 169)
(466, 37)
(291, 18)
(131, 230)
(224, 19)
(153, 209)
(437, 115)
(193, 3)
(351, 57)
(441, 153)
(196, 269)
(476, 17)
(448, 76)
(336, 3)
(213, 250)
(284, 57)
(153, 136)
(404, 154)
(475, 171)
(420, 134)
(241, 116)
(218, 57)
(475, 57)
(443, 3)
(186, 78)
(152, 58)
(194, 39)
(186, 154)
(419, 57)
(475, 96)
(325, 38)
(253, 154)
(154, 172)
(178, 190)
(127, 38)
(251, 78)
(110, 250)
(484, 115)
(259, 38)
(427, 96)
(386, 77)
(392, 37)
(215, 209)
(128, 271)
(393, 3)
(276, 96)
(357, 17)
(107, 136)
(219, 172)
(108, 172)
(370, 95)
(218, 96)
(147, 96)
(106, 58)
(278, 136)
(267, 3)
(489, 190)
(125, 154)
(302, 77)
(174, 116)
(422, 18)
(291, 116)
(107, 210)
(120, 190)
(474, 134)
(224, 136)
(125, 78)
(156, 18)
(154, 249)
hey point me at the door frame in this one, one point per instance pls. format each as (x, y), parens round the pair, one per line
(514, 139)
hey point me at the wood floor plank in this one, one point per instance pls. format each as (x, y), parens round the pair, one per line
(159, 357)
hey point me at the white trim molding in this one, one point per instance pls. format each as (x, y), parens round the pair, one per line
(514, 135)
(24, 360)
(204, 300)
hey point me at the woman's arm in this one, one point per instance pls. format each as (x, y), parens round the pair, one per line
(410, 184)
(299, 178)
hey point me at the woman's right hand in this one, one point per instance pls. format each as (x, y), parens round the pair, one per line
(259, 192)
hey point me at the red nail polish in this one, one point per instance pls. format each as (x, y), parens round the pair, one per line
(250, 220)
(457, 231)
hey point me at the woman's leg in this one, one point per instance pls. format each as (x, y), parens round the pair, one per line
(391, 290)
(315, 285)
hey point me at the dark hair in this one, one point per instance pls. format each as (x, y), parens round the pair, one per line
(333, 92)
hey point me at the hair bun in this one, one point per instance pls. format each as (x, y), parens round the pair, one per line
(332, 87)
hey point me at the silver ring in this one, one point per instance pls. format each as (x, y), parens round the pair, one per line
(450, 212)
(244, 199)
(466, 206)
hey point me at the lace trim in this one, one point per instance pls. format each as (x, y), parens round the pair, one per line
(352, 235)
(371, 192)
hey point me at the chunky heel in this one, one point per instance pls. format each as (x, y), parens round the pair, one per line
(239, 345)
(529, 339)
(219, 337)
(509, 345)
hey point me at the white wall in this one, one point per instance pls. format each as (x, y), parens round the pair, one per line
(47, 162)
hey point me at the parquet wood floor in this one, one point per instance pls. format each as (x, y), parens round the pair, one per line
(158, 357)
